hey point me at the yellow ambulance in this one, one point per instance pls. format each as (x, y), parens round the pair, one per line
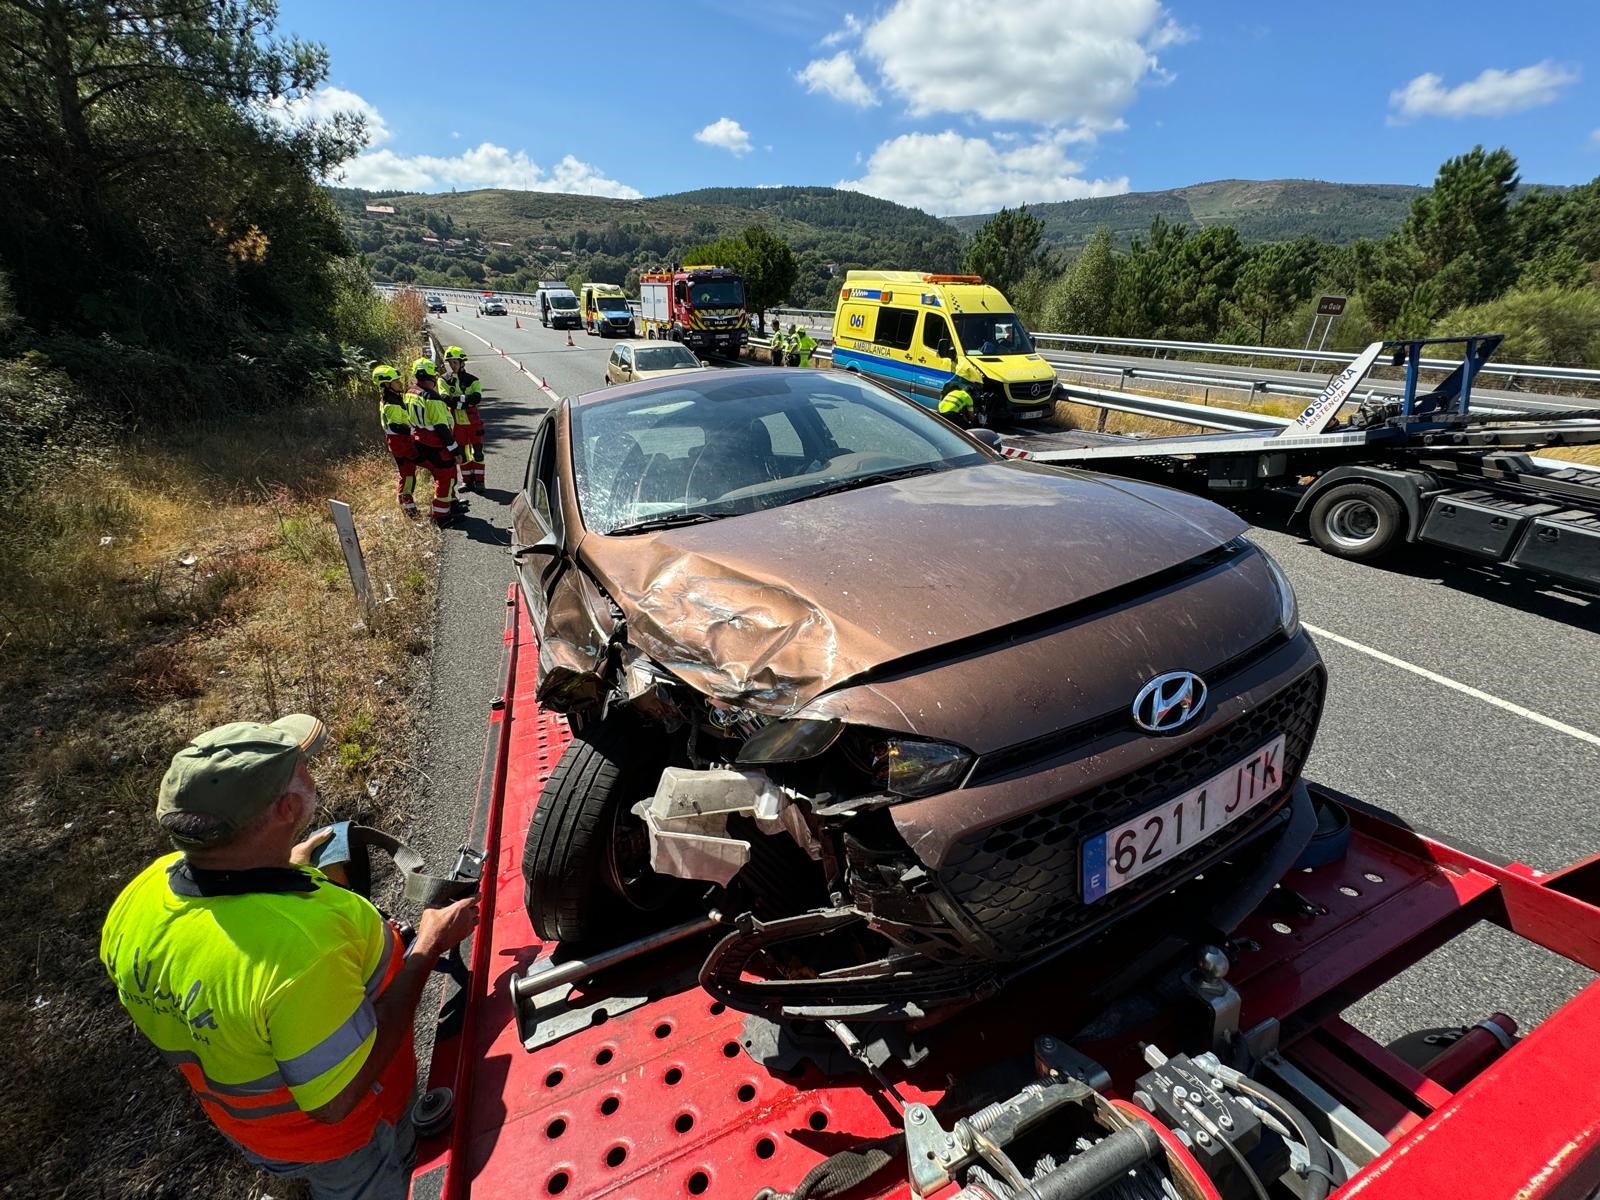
(924, 335)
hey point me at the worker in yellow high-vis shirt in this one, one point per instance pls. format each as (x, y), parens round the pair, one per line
(286, 1002)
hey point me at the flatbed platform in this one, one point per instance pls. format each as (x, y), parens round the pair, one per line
(665, 1100)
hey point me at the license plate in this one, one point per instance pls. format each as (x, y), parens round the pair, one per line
(1156, 836)
(1030, 416)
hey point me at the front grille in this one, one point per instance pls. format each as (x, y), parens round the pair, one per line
(1023, 393)
(1020, 880)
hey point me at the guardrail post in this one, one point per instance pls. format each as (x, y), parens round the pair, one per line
(1100, 423)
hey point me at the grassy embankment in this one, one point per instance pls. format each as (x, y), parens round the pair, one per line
(155, 586)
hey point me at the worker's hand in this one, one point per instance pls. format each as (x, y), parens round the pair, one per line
(300, 856)
(440, 928)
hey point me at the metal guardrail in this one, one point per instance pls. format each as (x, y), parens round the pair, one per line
(1523, 370)
(1588, 375)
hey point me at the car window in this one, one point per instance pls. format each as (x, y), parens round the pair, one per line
(993, 333)
(616, 357)
(548, 495)
(664, 358)
(934, 329)
(625, 356)
(743, 441)
(895, 327)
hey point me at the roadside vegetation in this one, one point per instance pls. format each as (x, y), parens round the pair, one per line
(184, 339)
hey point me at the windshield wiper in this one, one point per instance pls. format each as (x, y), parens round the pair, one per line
(665, 521)
(861, 481)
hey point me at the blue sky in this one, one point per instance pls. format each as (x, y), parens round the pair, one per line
(953, 105)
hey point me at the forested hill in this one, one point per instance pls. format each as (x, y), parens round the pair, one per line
(1261, 210)
(825, 207)
(509, 239)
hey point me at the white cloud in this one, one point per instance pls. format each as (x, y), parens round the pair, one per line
(852, 28)
(947, 173)
(1169, 33)
(486, 165)
(838, 77)
(327, 102)
(455, 134)
(727, 134)
(1494, 93)
(1075, 63)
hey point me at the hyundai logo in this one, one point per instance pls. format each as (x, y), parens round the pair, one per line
(1169, 702)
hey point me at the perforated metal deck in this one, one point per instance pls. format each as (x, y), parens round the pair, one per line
(662, 1102)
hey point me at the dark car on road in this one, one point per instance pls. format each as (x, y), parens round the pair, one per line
(436, 304)
(910, 714)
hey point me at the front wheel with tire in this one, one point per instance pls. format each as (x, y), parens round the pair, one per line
(586, 860)
(1358, 521)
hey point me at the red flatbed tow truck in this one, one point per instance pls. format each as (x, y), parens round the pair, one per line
(639, 1086)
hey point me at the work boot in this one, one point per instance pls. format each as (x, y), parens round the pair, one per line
(410, 510)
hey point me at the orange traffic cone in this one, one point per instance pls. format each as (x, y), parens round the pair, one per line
(518, 320)
(570, 342)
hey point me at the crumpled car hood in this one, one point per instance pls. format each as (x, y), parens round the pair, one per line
(770, 609)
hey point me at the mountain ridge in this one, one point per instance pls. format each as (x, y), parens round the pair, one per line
(1261, 210)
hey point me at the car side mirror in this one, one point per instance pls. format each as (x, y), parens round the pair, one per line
(988, 437)
(946, 350)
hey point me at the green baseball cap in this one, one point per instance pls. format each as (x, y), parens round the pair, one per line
(233, 772)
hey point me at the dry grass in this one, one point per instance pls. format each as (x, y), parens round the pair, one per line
(221, 595)
(1589, 455)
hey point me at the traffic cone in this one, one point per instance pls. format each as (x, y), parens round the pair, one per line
(518, 320)
(570, 342)
(521, 368)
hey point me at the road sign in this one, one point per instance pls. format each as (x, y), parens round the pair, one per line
(354, 561)
(1330, 306)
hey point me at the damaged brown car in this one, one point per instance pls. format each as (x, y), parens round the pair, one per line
(911, 715)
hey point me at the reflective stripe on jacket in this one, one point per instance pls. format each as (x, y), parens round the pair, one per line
(958, 401)
(431, 418)
(263, 1000)
(394, 415)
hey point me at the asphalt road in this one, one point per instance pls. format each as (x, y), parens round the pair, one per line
(1497, 742)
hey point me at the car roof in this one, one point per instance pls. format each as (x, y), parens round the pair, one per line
(618, 391)
(643, 344)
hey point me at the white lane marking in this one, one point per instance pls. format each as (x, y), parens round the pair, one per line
(543, 387)
(1582, 735)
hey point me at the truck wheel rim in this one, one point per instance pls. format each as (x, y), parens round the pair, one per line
(1352, 524)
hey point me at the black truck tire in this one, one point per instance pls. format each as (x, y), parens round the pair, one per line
(1358, 521)
(569, 860)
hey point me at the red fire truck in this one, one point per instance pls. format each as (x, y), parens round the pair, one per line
(700, 306)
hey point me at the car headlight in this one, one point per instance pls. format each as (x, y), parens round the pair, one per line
(907, 766)
(1288, 606)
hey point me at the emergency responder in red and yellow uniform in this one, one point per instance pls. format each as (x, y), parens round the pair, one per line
(464, 390)
(957, 405)
(285, 1002)
(433, 432)
(395, 418)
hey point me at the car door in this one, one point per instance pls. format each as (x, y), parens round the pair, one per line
(935, 329)
(614, 366)
(536, 524)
